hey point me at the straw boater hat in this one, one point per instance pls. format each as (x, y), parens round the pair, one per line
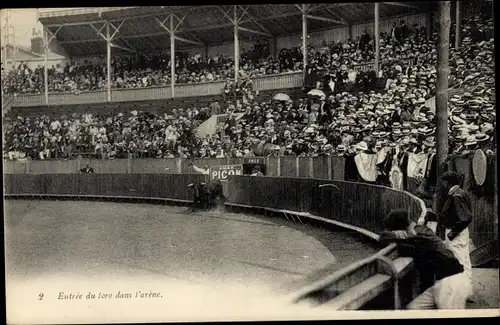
(479, 167)
(362, 146)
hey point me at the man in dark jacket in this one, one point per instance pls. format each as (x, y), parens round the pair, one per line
(450, 288)
(455, 217)
(364, 40)
(395, 33)
(87, 169)
(405, 32)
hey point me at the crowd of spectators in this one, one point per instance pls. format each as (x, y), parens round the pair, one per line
(394, 114)
(143, 70)
(108, 136)
(330, 66)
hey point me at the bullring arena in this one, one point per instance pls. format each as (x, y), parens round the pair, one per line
(316, 120)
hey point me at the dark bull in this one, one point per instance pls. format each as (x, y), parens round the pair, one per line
(207, 196)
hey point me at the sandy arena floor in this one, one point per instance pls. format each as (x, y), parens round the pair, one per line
(147, 262)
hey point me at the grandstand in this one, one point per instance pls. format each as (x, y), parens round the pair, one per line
(205, 29)
(305, 89)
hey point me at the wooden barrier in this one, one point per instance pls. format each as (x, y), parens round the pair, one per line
(383, 277)
(483, 227)
(139, 186)
(382, 281)
(262, 83)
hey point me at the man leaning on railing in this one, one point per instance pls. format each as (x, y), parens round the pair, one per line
(451, 286)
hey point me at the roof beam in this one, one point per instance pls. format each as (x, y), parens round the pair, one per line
(254, 20)
(290, 14)
(77, 23)
(185, 40)
(122, 48)
(327, 19)
(127, 44)
(254, 31)
(191, 35)
(401, 4)
(335, 16)
(215, 26)
(307, 7)
(226, 14)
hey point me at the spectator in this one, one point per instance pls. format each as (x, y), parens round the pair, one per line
(87, 169)
(451, 287)
(405, 32)
(455, 216)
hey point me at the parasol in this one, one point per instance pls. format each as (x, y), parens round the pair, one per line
(281, 97)
(316, 92)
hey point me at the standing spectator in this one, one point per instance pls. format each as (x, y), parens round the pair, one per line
(450, 288)
(364, 40)
(405, 32)
(455, 216)
(395, 33)
(87, 169)
(215, 107)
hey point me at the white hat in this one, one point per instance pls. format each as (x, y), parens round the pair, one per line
(362, 146)
(471, 140)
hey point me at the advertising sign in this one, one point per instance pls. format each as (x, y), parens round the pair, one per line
(222, 172)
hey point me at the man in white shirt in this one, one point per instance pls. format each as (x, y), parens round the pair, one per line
(205, 170)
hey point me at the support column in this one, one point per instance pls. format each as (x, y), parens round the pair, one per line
(275, 48)
(428, 24)
(304, 43)
(377, 37)
(108, 61)
(457, 24)
(45, 70)
(236, 45)
(172, 57)
(442, 85)
(349, 31)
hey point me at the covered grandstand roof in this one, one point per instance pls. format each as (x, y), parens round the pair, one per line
(140, 29)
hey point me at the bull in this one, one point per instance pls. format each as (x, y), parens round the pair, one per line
(207, 196)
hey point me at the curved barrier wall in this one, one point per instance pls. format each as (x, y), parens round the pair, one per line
(483, 227)
(146, 186)
(376, 281)
(382, 281)
(357, 204)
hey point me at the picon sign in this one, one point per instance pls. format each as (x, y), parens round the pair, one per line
(222, 172)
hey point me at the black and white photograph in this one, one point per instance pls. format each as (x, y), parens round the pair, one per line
(249, 162)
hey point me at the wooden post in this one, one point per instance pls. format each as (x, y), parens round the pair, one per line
(304, 43)
(428, 24)
(172, 57)
(442, 85)
(108, 63)
(179, 166)
(129, 163)
(377, 37)
(275, 47)
(329, 164)
(79, 162)
(297, 166)
(278, 166)
(236, 45)
(311, 167)
(457, 24)
(45, 66)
